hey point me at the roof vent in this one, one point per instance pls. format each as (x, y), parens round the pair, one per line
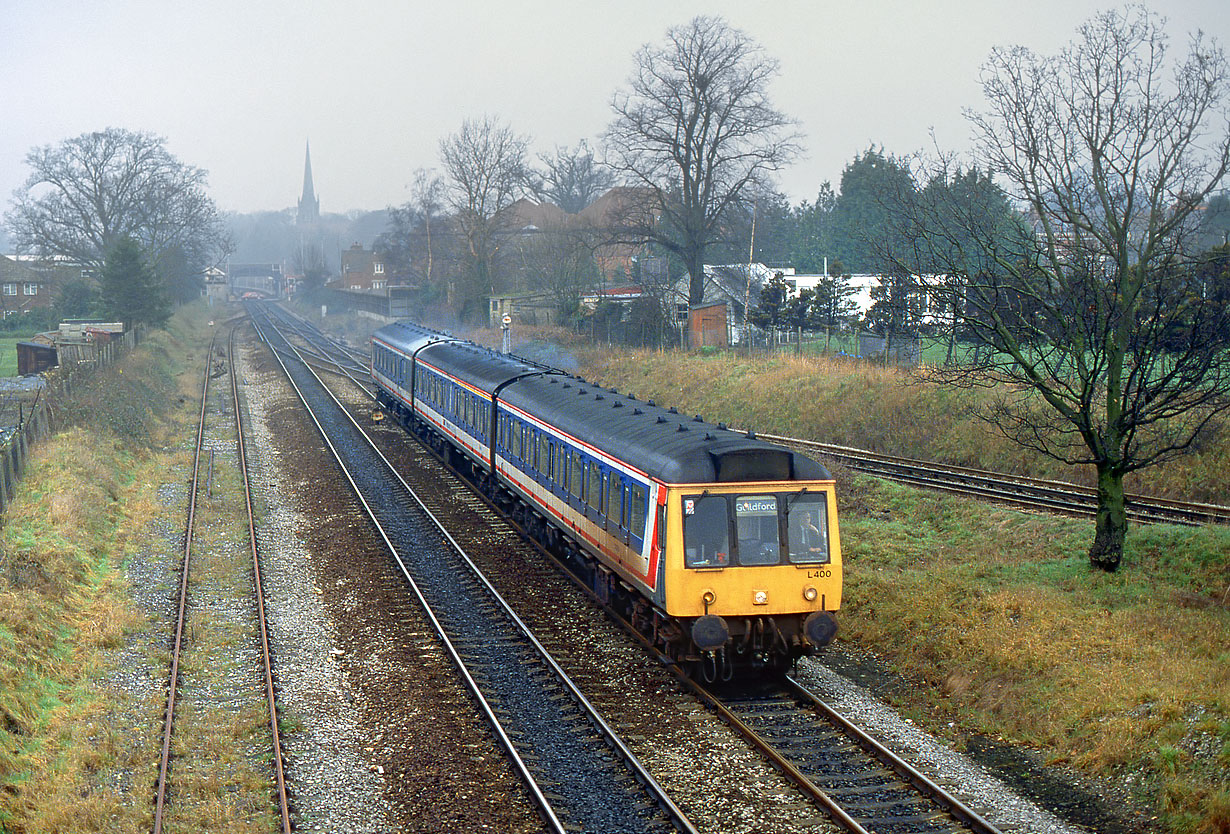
(682, 427)
(651, 402)
(661, 419)
(751, 435)
(722, 426)
(599, 397)
(697, 419)
(566, 385)
(637, 411)
(617, 404)
(709, 435)
(673, 410)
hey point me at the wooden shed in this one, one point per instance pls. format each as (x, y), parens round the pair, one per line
(34, 358)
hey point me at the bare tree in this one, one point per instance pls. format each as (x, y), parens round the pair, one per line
(559, 262)
(427, 196)
(572, 178)
(410, 242)
(695, 131)
(88, 193)
(1090, 315)
(485, 165)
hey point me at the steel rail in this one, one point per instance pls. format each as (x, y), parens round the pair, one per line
(680, 821)
(266, 655)
(899, 765)
(164, 765)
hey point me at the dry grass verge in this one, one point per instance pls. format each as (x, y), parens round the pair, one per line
(82, 676)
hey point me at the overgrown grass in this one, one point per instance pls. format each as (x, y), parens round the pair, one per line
(84, 504)
(997, 611)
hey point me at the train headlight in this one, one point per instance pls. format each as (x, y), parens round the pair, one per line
(810, 593)
(760, 597)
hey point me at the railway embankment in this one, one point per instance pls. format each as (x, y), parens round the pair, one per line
(88, 551)
(985, 624)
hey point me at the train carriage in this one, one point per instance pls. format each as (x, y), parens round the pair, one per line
(722, 548)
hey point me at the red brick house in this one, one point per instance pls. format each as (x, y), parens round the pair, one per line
(362, 269)
(24, 288)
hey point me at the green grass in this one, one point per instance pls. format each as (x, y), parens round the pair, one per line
(8, 354)
(999, 614)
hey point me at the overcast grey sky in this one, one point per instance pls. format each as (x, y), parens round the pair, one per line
(238, 86)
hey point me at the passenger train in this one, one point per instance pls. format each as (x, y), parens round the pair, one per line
(720, 548)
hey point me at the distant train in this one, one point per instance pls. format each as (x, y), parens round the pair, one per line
(720, 548)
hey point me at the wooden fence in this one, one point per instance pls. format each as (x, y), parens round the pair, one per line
(36, 420)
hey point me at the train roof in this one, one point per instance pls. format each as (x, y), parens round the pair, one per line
(408, 336)
(661, 442)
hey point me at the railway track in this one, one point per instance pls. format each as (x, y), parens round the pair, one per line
(563, 749)
(182, 606)
(863, 786)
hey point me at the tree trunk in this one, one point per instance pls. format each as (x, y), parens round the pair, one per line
(695, 264)
(1107, 549)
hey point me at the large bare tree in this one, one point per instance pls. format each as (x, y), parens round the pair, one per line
(484, 163)
(1092, 315)
(572, 178)
(694, 132)
(87, 193)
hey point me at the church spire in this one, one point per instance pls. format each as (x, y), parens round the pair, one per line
(309, 203)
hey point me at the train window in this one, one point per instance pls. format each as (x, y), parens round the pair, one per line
(759, 532)
(593, 486)
(531, 447)
(516, 444)
(706, 531)
(636, 511)
(557, 464)
(614, 498)
(807, 523)
(576, 474)
(544, 455)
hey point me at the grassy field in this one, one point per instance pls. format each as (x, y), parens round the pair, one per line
(996, 612)
(8, 355)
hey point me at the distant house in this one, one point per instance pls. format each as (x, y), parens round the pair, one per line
(27, 286)
(623, 207)
(601, 222)
(362, 269)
